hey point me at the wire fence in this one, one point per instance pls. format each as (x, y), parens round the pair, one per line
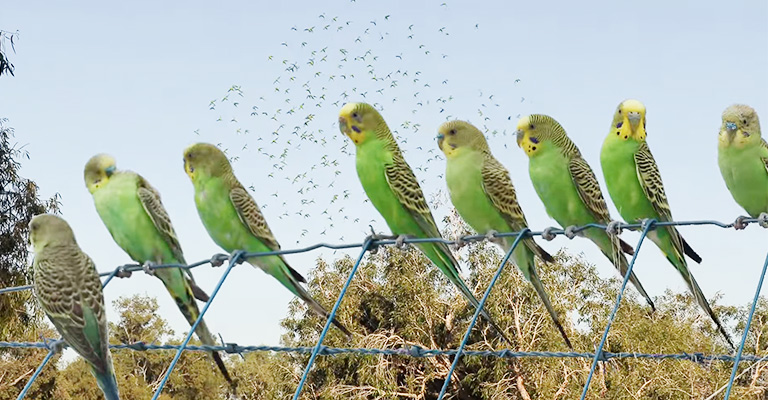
(371, 243)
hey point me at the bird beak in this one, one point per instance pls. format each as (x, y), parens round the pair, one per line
(731, 127)
(440, 140)
(343, 125)
(520, 135)
(634, 119)
(110, 170)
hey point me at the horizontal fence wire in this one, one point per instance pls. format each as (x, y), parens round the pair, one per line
(371, 244)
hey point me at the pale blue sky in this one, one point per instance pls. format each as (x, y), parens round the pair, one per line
(135, 80)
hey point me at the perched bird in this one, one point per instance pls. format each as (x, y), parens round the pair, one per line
(635, 185)
(395, 192)
(134, 215)
(235, 222)
(68, 289)
(568, 188)
(743, 159)
(483, 194)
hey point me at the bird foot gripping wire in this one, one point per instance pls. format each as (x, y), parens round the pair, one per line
(614, 228)
(762, 219)
(55, 345)
(571, 232)
(740, 224)
(400, 241)
(547, 234)
(218, 260)
(459, 242)
(122, 272)
(148, 268)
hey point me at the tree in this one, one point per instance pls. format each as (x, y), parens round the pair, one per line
(6, 37)
(20, 318)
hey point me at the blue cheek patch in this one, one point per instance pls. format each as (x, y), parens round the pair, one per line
(619, 125)
(534, 140)
(356, 129)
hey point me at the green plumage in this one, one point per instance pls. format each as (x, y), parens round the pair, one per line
(235, 222)
(134, 215)
(394, 191)
(568, 188)
(635, 185)
(69, 291)
(742, 155)
(483, 194)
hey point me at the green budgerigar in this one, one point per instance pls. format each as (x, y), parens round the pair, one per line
(568, 187)
(134, 215)
(235, 222)
(743, 158)
(482, 192)
(394, 190)
(635, 185)
(68, 289)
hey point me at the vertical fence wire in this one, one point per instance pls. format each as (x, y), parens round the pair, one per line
(480, 306)
(236, 257)
(647, 225)
(746, 331)
(331, 316)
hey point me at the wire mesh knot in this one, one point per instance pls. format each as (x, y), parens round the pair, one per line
(123, 272)
(547, 234)
(614, 228)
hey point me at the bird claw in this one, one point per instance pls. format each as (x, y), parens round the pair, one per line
(148, 268)
(547, 234)
(490, 235)
(614, 228)
(459, 242)
(762, 219)
(218, 260)
(400, 241)
(570, 231)
(739, 224)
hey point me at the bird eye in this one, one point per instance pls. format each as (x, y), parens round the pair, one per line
(744, 121)
(452, 131)
(619, 110)
(354, 115)
(530, 126)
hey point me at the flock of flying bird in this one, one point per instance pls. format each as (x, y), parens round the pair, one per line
(69, 290)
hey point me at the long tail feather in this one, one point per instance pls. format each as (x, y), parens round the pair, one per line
(314, 305)
(702, 301)
(536, 282)
(107, 383)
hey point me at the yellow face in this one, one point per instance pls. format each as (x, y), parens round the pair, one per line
(204, 159)
(98, 171)
(629, 121)
(355, 121)
(740, 128)
(454, 138)
(526, 137)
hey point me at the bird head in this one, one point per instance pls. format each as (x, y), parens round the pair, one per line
(98, 170)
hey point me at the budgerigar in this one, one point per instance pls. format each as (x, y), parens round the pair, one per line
(135, 217)
(69, 291)
(743, 159)
(235, 222)
(568, 187)
(482, 192)
(394, 190)
(635, 185)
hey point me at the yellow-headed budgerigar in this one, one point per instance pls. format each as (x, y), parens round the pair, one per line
(69, 291)
(138, 222)
(635, 185)
(568, 187)
(482, 192)
(235, 222)
(743, 159)
(394, 190)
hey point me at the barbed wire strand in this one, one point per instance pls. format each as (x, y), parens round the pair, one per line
(479, 308)
(371, 243)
